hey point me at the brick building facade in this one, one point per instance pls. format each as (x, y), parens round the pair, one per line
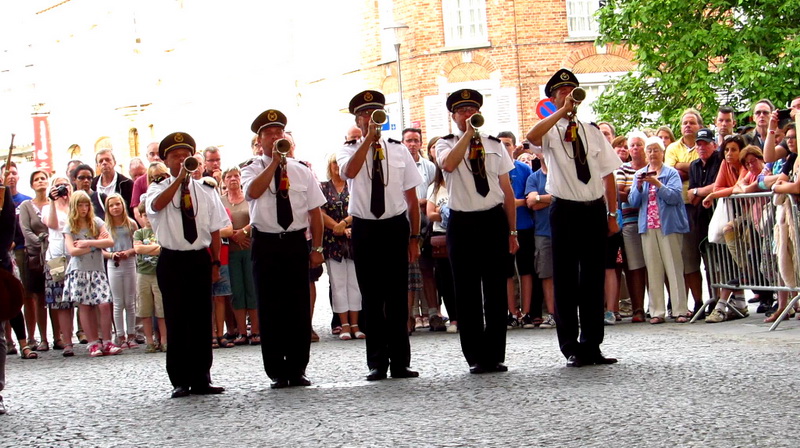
(507, 49)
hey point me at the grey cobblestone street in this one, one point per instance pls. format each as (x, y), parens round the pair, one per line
(731, 384)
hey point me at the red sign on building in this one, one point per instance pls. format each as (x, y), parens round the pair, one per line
(43, 151)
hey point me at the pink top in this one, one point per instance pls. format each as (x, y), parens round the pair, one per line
(653, 220)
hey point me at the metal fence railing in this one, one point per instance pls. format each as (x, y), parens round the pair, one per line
(760, 248)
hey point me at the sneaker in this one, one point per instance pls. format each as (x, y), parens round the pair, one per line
(716, 316)
(132, 343)
(527, 322)
(150, 348)
(732, 314)
(452, 328)
(437, 323)
(609, 318)
(95, 350)
(512, 322)
(548, 322)
(109, 349)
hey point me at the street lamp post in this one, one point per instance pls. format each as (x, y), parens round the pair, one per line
(399, 30)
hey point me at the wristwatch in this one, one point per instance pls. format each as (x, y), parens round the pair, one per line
(316, 249)
(538, 198)
(695, 191)
(513, 233)
(612, 215)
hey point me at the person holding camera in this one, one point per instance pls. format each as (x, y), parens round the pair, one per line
(581, 182)
(187, 216)
(658, 193)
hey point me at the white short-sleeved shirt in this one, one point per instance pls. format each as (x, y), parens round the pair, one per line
(55, 238)
(427, 170)
(460, 183)
(167, 223)
(398, 166)
(304, 195)
(440, 199)
(562, 177)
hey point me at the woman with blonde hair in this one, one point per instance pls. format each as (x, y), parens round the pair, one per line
(86, 284)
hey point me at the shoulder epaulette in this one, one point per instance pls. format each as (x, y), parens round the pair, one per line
(350, 142)
(304, 163)
(209, 182)
(492, 137)
(246, 163)
(391, 140)
(159, 179)
(448, 136)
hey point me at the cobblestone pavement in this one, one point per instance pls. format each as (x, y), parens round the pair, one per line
(731, 384)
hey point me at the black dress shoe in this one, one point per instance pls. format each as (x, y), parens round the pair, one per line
(207, 390)
(477, 369)
(376, 375)
(601, 360)
(499, 367)
(574, 361)
(405, 372)
(301, 380)
(278, 383)
(180, 392)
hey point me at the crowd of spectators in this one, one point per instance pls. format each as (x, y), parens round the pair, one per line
(84, 242)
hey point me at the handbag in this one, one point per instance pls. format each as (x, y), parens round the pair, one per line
(58, 268)
(718, 221)
(439, 245)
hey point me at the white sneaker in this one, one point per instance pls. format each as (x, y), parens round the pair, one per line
(548, 322)
(609, 318)
(109, 348)
(452, 328)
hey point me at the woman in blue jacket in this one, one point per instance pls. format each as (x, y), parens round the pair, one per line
(662, 219)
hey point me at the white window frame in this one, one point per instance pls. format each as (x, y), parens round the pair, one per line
(581, 20)
(465, 23)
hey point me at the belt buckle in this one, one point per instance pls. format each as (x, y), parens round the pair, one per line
(281, 235)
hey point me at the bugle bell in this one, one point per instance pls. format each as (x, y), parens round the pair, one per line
(476, 121)
(191, 164)
(378, 117)
(578, 94)
(283, 146)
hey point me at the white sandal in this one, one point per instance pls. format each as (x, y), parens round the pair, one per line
(345, 334)
(358, 334)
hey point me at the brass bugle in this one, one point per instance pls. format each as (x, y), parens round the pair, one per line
(578, 94)
(190, 164)
(476, 121)
(283, 146)
(378, 117)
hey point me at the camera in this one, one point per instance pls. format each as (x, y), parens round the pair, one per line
(784, 114)
(61, 191)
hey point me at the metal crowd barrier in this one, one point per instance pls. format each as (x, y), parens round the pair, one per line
(748, 259)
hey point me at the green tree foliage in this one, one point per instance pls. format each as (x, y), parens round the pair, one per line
(699, 53)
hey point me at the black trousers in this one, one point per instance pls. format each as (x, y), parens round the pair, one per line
(184, 278)
(477, 245)
(444, 285)
(280, 271)
(380, 253)
(579, 233)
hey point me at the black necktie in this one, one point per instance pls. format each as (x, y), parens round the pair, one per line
(477, 163)
(581, 164)
(187, 214)
(377, 203)
(283, 204)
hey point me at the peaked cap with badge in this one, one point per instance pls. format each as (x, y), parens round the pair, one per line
(463, 98)
(366, 100)
(270, 117)
(560, 79)
(174, 141)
